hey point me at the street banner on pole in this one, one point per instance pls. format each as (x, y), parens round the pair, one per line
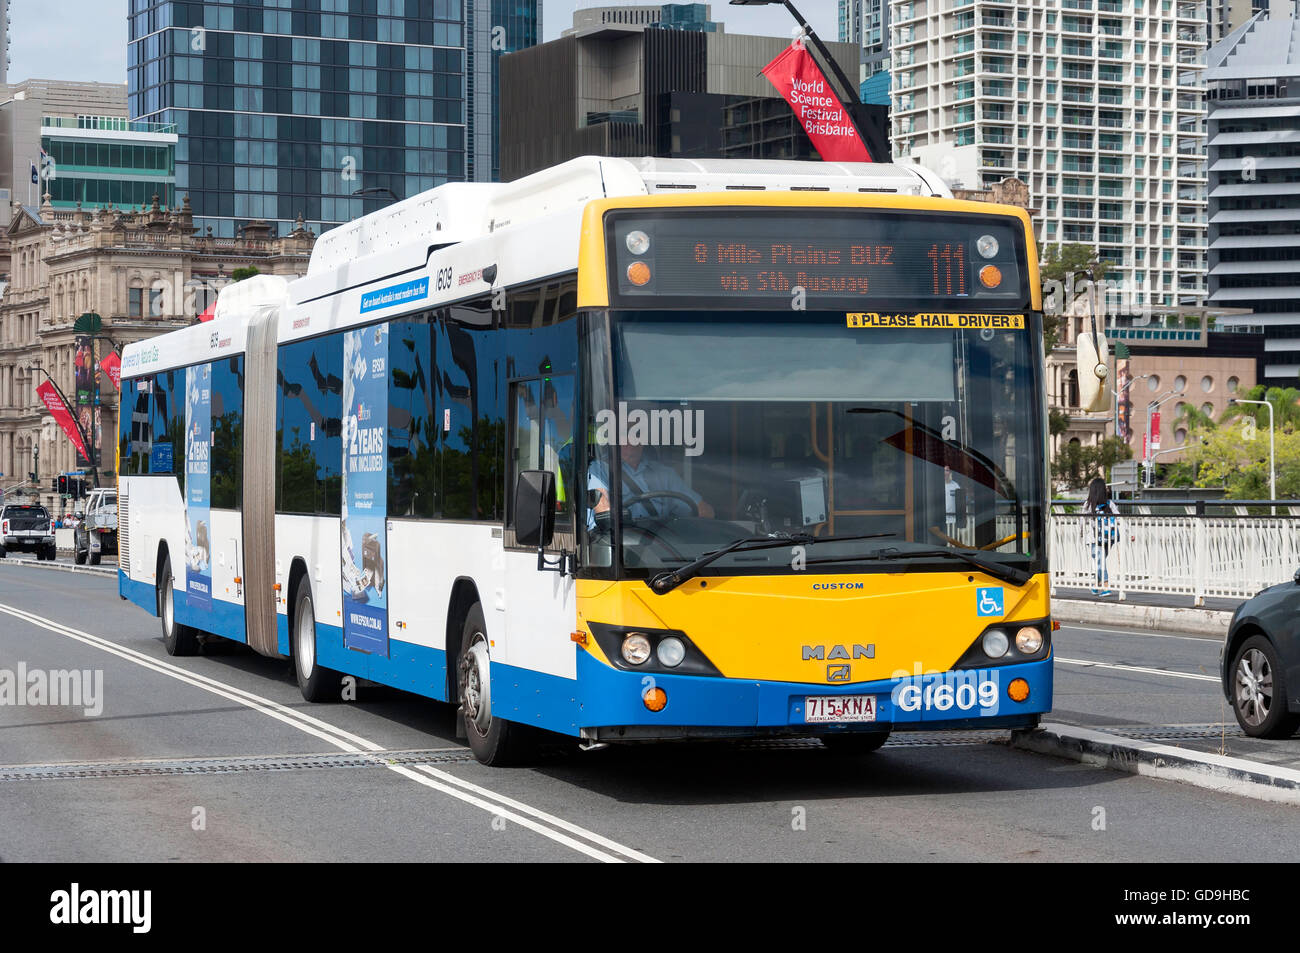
(801, 82)
(57, 409)
(112, 365)
(84, 364)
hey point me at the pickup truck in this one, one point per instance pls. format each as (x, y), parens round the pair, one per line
(95, 536)
(26, 527)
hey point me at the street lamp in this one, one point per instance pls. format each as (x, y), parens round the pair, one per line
(1147, 456)
(1272, 454)
(851, 99)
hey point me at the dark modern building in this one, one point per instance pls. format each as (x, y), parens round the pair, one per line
(620, 89)
(293, 108)
(1252, 87)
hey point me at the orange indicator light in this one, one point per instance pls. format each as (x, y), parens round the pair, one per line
(1018, 690)
(656, 699)
(990, 276)
(638, 272)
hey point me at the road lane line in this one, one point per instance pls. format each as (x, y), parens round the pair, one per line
(500, 805)
(1137, 668)
(549, 818)
(1217, 640)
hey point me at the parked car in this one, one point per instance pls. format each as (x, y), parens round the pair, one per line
(26, 527)
(1260, 662)
(95, 533)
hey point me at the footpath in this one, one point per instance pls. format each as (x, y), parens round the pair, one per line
(1140, 610)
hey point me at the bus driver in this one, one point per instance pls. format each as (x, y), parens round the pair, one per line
(641, 477)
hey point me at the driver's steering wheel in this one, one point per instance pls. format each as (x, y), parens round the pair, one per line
(631, 501)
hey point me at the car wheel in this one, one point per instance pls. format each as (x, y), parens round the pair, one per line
(493, 740)
(851, 743)
(178, 639)
(316, 683)
(1259, 692)
(93, 558)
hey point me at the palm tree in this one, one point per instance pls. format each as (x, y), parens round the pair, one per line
(1193, 418)
(1285, 402)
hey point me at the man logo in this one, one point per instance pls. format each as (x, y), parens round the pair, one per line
(837, 673)
(212, 342)
(838, 652)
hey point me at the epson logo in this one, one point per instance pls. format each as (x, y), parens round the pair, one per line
(838, 652)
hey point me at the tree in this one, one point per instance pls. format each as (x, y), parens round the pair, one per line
(1237, 459)
(1058, 422)
(1194, 419)
(1285, 402)
(1076, 465)
(239, 274)
(1060, 267)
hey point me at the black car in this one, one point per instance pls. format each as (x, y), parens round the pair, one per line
(26, 527)
(1260, 662)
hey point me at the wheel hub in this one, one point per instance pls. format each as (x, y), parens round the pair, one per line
(1254, 687)
(476, 685)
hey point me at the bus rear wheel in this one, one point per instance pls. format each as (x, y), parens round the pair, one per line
(855, 742)
(178, 639)
(316, 683)
(493, 740)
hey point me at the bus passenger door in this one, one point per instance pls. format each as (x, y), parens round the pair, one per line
(540, 606)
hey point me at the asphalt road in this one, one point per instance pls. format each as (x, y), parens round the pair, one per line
(218, 758)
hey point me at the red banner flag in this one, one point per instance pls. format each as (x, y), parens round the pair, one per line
(112, 365)
(59, 411)
(803, 85)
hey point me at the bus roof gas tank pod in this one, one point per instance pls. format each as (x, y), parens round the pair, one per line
(240, 298)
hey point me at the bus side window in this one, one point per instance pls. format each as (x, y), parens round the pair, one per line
(542, 434)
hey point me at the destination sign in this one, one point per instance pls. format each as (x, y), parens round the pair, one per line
(738, 257)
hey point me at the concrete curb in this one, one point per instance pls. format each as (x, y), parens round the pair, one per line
(1264, 782)
(1176, 619)
(59, 567)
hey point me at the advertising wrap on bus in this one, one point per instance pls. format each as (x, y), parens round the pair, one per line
(365, 489)
(198, 487)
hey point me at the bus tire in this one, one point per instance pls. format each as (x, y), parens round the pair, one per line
(317, 684)
(851, 743)
(178, 639)
(494, 741)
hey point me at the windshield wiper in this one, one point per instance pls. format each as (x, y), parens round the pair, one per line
(1001, 571)
(671, 579)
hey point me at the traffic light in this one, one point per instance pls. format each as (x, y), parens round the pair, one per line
(62, 488)
(54, 485)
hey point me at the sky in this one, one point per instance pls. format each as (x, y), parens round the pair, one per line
(44, 47)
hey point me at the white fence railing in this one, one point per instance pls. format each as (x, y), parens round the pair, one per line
(1197, 556)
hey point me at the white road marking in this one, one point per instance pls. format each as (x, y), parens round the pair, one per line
(1137, 668)
(490, 801)
(1217, 640)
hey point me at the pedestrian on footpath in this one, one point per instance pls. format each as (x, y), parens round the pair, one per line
(1102, 530)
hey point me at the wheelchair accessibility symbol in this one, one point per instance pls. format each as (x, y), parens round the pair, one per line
(989, 601)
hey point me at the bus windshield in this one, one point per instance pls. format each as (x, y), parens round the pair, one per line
(861, 441)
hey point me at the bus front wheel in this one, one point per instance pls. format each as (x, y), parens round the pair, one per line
(178, 639)
(493, 740)
(317, 684)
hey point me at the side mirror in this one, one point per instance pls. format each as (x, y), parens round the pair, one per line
(535, 508)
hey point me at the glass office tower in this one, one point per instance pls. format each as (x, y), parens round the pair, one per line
(291, 107)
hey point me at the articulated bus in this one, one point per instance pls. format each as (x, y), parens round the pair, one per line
(625, 450)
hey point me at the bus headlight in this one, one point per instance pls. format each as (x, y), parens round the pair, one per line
(986, 245)
(638, 242)
(1029, 640)
(636, 648)
(996, 643)
(670, 652)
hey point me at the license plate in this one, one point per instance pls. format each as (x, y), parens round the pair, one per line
(823, 709)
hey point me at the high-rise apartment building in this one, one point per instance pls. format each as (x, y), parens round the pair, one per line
(293, 107)
(866, 23)
(1095, 104)
(1253, 94)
